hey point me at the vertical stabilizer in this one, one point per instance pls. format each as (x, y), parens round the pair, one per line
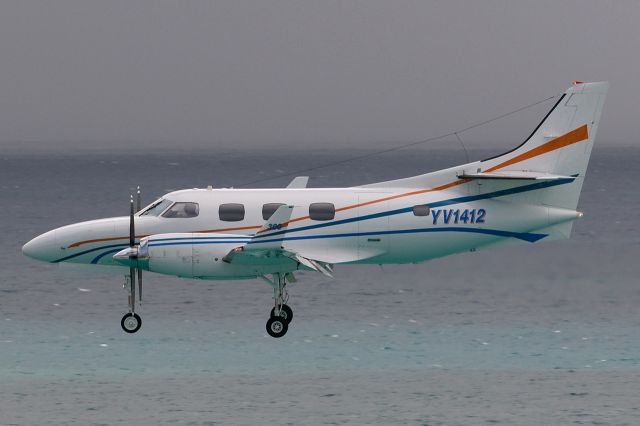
(561, 144)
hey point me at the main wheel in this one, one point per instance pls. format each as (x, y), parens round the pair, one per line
(131, 322)
(277, 327)
(285, 312)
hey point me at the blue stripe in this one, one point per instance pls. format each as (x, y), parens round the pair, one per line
(530, 237)
(203, 238)
(120, 246)
(100, 256)
(449, 202)
(525, 236)
(198, 242)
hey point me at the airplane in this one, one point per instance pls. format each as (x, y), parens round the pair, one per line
(526, 195)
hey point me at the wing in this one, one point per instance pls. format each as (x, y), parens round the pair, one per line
(265, 249)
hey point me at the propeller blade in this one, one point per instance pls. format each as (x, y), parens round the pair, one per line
(132, 275)
(132, 228)
(140, 284)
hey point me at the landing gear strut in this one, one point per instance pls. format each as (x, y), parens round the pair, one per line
(281, 314)
(131, 322)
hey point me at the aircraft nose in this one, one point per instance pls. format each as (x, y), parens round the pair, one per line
(43, 247)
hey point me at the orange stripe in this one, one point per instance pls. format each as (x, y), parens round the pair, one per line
(574, 136)
(241, 228)
(97, 240)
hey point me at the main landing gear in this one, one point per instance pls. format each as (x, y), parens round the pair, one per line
(281, 314)
(131, 322)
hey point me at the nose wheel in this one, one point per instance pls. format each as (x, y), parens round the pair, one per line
(131, 322)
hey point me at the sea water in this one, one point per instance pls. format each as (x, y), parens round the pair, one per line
(537, 334)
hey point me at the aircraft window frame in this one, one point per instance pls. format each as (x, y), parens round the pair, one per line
(268, 208)
(183, 213)
(322, 211)
(421, 210)
(226, 214)
(152, 209)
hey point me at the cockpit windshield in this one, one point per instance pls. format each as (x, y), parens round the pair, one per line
(182, 210)
(157, 208)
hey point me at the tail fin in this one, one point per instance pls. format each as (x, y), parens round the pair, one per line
(561, 144)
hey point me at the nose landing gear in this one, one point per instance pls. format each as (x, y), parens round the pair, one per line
(131, 322)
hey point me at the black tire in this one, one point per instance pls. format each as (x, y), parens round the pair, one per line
(131, 323)
(277, 327)
(285, 312)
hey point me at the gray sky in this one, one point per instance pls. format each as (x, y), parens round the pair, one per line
(297, 73)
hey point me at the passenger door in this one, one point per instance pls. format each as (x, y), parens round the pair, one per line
(373, 224)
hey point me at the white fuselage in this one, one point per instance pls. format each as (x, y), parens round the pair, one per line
(370, 226)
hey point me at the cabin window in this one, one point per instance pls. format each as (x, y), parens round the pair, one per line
(421, 210)
(156, 208)
(182, 210)
(322, 211)
(269, 209)
(231, 212)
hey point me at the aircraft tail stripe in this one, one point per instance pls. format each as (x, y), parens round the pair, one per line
(574, 136)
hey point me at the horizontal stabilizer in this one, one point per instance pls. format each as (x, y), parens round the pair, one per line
(513, 175)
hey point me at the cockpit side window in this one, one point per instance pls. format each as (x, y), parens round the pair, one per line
(182, 210)
(156, 208)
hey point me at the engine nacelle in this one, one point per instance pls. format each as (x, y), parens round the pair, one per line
(200, 255)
